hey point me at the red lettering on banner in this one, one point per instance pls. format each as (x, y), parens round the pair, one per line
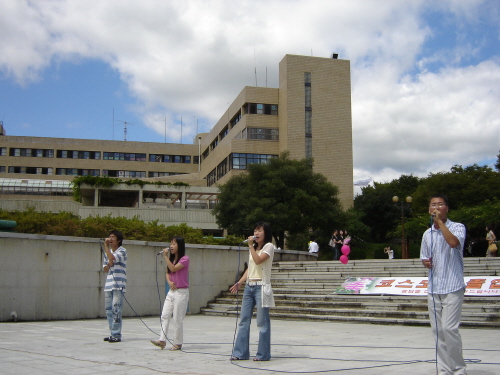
(495, 284)
(405, 284)
(385, 284)
(475, 283)
(422, 284)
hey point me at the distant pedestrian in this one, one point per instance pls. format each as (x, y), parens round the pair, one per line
(491, 238)
(333, 245)
(313, 246)
(389, 252)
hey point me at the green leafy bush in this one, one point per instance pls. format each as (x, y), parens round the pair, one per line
(67, 224)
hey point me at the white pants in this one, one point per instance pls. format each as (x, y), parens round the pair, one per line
(445, 311)
(175, 306)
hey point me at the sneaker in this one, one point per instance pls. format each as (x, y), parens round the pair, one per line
(114, 339)
(106, 338)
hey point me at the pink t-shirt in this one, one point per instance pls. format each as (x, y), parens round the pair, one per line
(181, 277)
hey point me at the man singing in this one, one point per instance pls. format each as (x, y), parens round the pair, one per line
(442, 253)
(115, 264)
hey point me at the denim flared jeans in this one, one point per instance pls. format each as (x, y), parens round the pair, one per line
(113, 302)
(252, 296)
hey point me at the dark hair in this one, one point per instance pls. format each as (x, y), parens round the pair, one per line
(442, 196)
(268, 234)
(119, 236)
(181, 249)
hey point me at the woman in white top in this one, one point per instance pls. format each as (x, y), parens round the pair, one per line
(258, 293)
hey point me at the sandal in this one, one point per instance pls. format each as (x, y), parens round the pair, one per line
(160, 344)
(236, 359)
(259, 360)
(175, 347)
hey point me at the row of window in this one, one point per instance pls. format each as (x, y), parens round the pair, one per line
(236, 161)
(308, 114)
(85, 172)
(170, 158)
(261, 133)
(96, 155)
(250, 108)
(123, 156)
(71, 154)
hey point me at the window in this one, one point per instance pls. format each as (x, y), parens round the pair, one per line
(212, 178)
(162, 174)
(2, 169)
(240, 161)
(222, 168)
(170, 158)
(29, 152)
(262, 109)
(126, 174)
(77, 172)
(308, 115)
(3, 151)
(30, 170)
(72, 154)
(262, 133)
(235, 119)
(124, 156)
(224, 132)
(214, 144)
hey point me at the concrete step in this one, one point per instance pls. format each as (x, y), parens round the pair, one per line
(306, 290)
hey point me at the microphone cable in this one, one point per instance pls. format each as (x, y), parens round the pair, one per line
(237, 277)
(431, 283)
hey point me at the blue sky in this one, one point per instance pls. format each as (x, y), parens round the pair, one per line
(425, 74)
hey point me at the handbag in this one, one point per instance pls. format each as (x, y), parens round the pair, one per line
(492, 248)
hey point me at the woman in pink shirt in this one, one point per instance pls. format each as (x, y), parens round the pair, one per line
(177, 299)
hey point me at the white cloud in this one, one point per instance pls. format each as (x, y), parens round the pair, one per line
(192, 57)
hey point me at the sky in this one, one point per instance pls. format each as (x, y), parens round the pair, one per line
(425, 74)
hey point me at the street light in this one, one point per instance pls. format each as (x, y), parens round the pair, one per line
(404, 248)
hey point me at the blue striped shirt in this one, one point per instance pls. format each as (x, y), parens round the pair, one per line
(117, 275)
(447, 272)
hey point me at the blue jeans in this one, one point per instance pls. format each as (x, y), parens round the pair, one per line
(252, 297)
(113, 302)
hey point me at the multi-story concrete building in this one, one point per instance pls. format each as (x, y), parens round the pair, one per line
(309, 115)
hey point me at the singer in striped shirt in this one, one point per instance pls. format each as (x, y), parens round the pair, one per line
(115, 264)
(442, 253)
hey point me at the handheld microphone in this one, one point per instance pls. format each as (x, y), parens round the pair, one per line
(431, 219)
(247, 240)
(161, 252)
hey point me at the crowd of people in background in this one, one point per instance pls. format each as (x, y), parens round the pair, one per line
(336, 242)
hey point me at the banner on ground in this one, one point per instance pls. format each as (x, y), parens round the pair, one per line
(417, 286)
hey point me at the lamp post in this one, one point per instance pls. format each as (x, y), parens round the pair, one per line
(404, 248)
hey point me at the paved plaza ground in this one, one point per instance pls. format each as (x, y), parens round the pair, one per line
(298, 347)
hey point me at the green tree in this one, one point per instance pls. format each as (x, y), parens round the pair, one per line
(464, 187)
(376, 208)
(497, 164)
(285, 193)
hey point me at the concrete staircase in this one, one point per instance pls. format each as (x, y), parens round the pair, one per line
(304, 291)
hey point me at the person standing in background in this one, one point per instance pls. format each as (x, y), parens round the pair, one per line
(313, 246)
(389, 252)
(491, 238)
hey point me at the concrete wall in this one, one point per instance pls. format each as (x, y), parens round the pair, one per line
(57, 277)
